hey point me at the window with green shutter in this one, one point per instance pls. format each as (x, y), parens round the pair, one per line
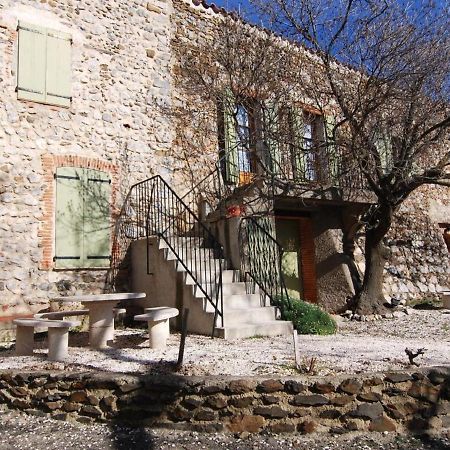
(44, 65)
(82, 235)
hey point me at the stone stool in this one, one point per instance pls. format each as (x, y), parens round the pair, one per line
(158, 324)
(58, 337)
(446, 300)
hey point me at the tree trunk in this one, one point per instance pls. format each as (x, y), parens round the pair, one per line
(370, 299)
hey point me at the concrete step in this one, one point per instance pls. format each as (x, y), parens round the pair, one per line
(240, 302)
(228, 276)
(198, 253)
(235, 288)
(246, 330)
(250, 315)
(185, 242)
(198, 265)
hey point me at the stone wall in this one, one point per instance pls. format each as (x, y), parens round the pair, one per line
(401, 401)
(419, 264)
(121, 63)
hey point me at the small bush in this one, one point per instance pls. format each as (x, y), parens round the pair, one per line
(307, 318)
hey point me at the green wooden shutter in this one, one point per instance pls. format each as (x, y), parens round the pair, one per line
(31, 63)
(230, 138)
(96, 215)
(384, 148)
(333, 157)
(58, 72)
(298, 131)
(69, 218)
(272, 137)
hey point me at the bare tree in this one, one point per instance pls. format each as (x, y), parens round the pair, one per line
(384, 65)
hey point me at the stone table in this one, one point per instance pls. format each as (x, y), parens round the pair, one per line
(101, 314)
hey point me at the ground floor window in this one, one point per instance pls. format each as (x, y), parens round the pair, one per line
(82, 218)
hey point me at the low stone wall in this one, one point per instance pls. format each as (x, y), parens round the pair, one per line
(401, 401)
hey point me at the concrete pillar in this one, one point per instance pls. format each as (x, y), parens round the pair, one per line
(158, 332)
(24, 340)
(58, 343)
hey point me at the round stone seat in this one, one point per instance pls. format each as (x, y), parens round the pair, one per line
(58, 336)
(158, 324)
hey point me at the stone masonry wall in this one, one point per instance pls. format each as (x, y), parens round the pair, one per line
(419, 265)
(401, 401)
(121, 62)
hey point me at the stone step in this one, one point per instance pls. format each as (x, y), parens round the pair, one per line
(250, 315)
(246, 330)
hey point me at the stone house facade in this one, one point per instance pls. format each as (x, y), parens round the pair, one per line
(109, 123)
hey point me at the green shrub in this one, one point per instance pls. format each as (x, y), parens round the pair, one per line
(307, 318)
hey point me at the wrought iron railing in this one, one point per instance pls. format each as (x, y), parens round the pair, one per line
(153, 209)
(261, 261)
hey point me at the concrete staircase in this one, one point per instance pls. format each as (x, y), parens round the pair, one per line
(245, 315)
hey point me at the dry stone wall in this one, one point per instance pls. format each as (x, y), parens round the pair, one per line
(401, 401)
(121, 62)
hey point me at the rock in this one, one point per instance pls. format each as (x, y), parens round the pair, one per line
(294, 387)
(242, 402)
(273, 412)
(310, 400)
(269, 386)
(370, 397)
(54, 405)
(330, 414)
(342, 400)
(368, 411)
(240, 386)
(192, 403)
(217, 402)
(91, 411)
(180, 414)
(71, 407)
(205, 414)
(78, 397)
(93, 400)
(307, 427)
(270, 399)
(351, 386)
(382, 424)
(282, 427)
(424, 391)
(324, 388)
(397, 377)
(252, 424)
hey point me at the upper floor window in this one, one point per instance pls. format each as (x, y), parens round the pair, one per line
(44, 65)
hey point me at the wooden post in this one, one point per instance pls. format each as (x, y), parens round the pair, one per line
(297, 356)
(183, 336)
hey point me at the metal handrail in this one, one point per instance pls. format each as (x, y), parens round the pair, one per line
(153, 208)
(262, 262)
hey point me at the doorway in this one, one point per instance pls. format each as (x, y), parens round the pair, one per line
(298, 267)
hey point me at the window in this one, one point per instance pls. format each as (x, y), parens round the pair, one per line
(237, 132)
(82, 234)
(44, 65)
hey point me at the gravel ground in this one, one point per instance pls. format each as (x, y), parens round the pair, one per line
(19, 431)
(357, 347)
